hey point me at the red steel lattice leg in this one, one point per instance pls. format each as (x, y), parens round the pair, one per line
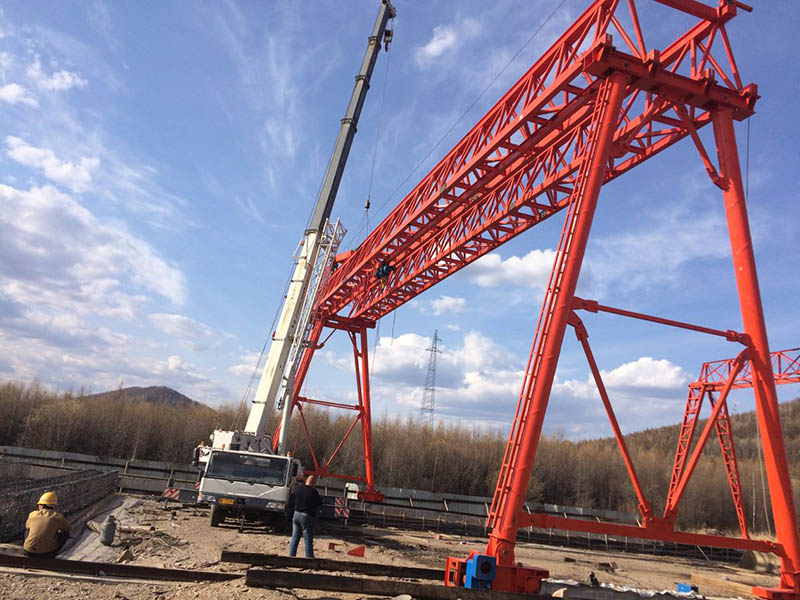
(672, 505)
(694, 401)
(725, 437)
(769, 421)
(523, 441)
(362, 383)
(691, 413)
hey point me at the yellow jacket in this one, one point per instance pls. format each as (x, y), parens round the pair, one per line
(43, 526)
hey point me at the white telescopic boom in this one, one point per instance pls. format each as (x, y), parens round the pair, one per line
(296, 297)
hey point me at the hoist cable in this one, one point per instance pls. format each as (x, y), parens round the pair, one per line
(472, 104)
(747, 165)
(380, 118)
(374, 350)
(256, 368)
(364, 225)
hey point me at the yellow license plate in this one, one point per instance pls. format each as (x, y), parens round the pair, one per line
(226, 500)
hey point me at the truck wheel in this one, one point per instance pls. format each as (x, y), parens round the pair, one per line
(216, 516)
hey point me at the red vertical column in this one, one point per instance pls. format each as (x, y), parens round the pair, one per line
(566, 270)
(769, 422)
(366, 414)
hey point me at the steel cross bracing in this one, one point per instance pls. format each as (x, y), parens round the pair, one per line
(585, 113)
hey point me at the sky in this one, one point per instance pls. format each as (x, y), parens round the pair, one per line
(159, 161)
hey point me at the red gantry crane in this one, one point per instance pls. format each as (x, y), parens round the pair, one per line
(598, 103)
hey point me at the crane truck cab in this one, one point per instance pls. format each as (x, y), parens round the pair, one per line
(243, 483)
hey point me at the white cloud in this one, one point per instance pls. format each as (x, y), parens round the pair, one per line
(646, 392)
(656, 252)
(471, 378)
(59, 81)
(341, 363)
(248, 363)
(175, 362)
(480, 352)
(531, 270)
(6, 60)
(646, 372)
(401, 358)
(446, 38)
(441, 305)
(97, 359)
(14, 93)
(77, 177)
(189, 332)
(55, 252)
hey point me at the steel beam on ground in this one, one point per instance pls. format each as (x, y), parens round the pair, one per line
(647, 533)
(326, 564)
(377, 587)
(112, 569)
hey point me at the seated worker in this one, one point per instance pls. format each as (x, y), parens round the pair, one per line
(47, 530)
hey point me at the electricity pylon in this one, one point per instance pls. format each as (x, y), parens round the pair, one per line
(429, 393)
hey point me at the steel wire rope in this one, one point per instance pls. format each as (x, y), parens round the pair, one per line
(436, 145)
(374, 353)
(246, 395)
(472, 104)
(364, 225)
(760, 445)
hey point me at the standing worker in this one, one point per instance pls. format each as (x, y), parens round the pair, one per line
(47, 530)
(304, 502)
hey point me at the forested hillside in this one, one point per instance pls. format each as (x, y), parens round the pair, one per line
(453, 458)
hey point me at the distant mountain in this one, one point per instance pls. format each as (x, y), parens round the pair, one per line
(154, 394)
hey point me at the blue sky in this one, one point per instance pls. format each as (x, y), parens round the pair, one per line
(158, 163)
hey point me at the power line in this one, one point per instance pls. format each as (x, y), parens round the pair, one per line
(472, 104)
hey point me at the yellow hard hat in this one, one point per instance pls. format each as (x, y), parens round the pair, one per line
(49, 498)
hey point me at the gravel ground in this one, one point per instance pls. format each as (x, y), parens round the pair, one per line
(182, 538)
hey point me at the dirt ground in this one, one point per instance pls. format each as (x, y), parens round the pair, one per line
(182, 538)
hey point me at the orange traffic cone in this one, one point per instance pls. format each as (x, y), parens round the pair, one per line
(358, 551)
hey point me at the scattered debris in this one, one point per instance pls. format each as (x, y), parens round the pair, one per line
(125, 556)
(723, 584)
(608, 567)
(760, 562)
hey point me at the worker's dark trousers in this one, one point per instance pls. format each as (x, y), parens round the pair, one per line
(302, 523)
(63, 536)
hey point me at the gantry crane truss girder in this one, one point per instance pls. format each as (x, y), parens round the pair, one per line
(585, 113)
(518, 165)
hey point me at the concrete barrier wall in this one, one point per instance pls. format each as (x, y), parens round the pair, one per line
(75, 492)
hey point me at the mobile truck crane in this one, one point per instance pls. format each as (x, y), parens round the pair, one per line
(242, 474)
